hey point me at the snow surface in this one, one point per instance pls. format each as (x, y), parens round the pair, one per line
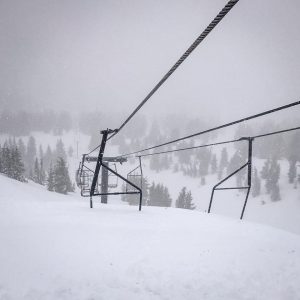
(54, 247)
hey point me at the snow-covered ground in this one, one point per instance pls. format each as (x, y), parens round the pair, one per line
(55, 247)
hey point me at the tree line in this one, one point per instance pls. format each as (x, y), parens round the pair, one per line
(23, 123)
(158, 195)
(24, 163)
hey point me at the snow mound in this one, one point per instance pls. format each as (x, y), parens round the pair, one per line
(55, 247)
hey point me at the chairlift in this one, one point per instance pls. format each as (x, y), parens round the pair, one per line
(112, 178)
(134, 176)
(77, 176)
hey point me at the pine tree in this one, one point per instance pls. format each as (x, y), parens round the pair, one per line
(256, 184)
(51, 179)
(6, 160)
(180, 201)
(22, 149)
(184, 200)
(11, 161)
(36, 171)
(189, 201)
(62, 182)
(17, 165)
(42, 177)
(159, 196)
(60, 150)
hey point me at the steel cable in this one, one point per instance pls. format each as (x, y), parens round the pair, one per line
(201, 37)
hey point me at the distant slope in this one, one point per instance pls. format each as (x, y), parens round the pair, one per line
(55, 247)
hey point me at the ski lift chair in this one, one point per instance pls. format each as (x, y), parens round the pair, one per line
(112, 178)
(134, 176)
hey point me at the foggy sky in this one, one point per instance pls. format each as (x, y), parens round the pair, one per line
(94, 54)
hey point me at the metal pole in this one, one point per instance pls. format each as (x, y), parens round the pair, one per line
(141, 194)
(140, 160)
(250, 140)
(104, 183)
(211, 199)
(99, 162)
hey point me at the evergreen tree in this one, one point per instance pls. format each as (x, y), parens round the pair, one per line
(17, 165)
(189, 201)
(180, 201)
(60, 150)
(42, 177)
(36, 171)
(62, 182)
(256, 184)
(184, 200)
(51, 179)
(22, 149)
(11, 162)
(6, 160)
(159, 196)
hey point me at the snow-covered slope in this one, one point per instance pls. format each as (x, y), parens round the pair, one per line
(55, 247)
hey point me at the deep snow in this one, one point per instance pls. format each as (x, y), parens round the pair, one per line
(55, 247)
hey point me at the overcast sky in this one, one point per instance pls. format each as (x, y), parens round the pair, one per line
(95, 54)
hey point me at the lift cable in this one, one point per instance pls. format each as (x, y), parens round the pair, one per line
(218, 143)
(203, 35)
(216, 128)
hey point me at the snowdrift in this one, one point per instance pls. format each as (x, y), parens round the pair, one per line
(54, 247)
